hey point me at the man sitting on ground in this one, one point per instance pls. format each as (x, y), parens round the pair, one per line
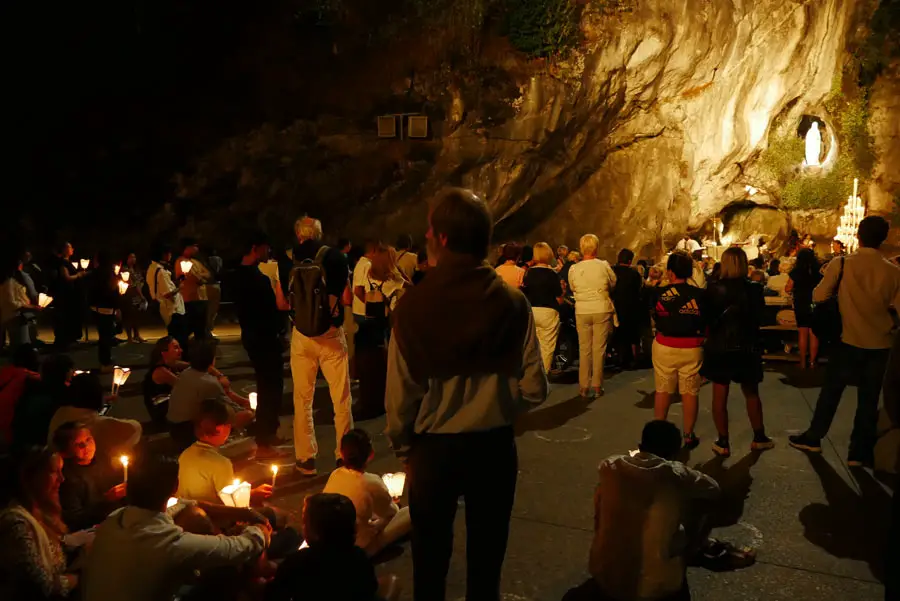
(379, 522)
(202, 470)
(641, 536)
(140, 554)
(193, 386)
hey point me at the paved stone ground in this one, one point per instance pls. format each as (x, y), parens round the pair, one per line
(818, 526)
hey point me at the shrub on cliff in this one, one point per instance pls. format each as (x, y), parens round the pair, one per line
(542, 28)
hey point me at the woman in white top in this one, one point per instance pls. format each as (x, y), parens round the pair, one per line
(591, 281)
(14, 303)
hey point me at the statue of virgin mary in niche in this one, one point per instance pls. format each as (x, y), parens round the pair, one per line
(813, 145)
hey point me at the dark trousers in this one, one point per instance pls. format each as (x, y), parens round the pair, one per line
(66, 321)
(481, 467)
(106, 332)
(195, 313)
(268, 363)
(178, 329)
(892, 559)
(852, 364)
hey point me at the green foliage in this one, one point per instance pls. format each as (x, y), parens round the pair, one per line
(784, 153)
(882, 44)
(828, 190)
(543, 28)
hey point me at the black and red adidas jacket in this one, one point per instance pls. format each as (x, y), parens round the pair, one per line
(680, 312)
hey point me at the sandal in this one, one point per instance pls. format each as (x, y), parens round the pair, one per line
(721, 556)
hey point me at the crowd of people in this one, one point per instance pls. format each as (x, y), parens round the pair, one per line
(453, 350)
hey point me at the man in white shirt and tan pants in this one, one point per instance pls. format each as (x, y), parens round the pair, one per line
(869, 286)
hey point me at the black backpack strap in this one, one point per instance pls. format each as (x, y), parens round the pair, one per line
(320, 255)
(840, 277)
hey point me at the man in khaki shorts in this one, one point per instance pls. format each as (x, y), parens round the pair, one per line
(678, 349)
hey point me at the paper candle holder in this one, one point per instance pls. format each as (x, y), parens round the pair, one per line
(120, 376)
(75, 264)
(253, 400)
(44, 300)
(303, 545)
(395, 483)
(118, 268)
(236, 494)
(125, 275)
(85, 263)
(186, 266)
(172, 502)
(123, 287)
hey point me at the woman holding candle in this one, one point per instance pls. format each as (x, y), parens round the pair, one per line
(17, 304)
(67, 301)
(134, 304)
(32, 557)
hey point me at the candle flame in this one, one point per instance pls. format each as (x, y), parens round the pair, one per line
(274, 469)
(237, 482)
(172, 502)
(124, 460)
(116, 268)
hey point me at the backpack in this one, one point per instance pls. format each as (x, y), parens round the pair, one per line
(377, 305)
(313, 315)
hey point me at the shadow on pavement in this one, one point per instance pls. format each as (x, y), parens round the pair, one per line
(549, 418)
(851, 525)
(735, 481)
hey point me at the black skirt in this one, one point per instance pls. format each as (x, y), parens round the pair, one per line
(741, 367)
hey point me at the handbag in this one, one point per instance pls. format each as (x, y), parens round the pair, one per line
(826, 316)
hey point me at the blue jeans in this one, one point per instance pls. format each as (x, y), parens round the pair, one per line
(866, 368)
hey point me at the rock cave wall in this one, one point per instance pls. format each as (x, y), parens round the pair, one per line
(651, 127)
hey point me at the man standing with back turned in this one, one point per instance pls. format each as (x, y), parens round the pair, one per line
(463, 356)
(867, 285)
(318, 279)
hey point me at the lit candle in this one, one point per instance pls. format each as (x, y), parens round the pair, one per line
(236, 494)
(172, 502)
(85, 263)
(44, 300)
(274, 474)
(123, 287)
(120, 375)
(395, 483)
(117, 268)
(75, 264)
(303, 545)
(124, 460)
(253, 400)
(186, 267)
(125, 275)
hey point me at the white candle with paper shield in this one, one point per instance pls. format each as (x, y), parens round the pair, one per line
(395, 483)
(118, 268)
(85, 263)
(303, 545)
(172, 502)
(44, 300)
(186, 266)
(120, 375)
(123, 286)
(124, 460)
(75, 264)
(125, 275)
(236, 494)
(253, 400)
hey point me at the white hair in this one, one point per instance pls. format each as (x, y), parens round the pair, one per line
(307, 228)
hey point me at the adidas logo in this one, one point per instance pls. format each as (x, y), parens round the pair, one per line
(670, 293)
(690, 308)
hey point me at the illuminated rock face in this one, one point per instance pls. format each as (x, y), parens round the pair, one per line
(662, 128)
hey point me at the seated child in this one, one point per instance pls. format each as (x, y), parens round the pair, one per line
(202, 470)
(379, 522)
(643, 528)
(83, 404)
(92, 488)
(193, 386)
(332, 567)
